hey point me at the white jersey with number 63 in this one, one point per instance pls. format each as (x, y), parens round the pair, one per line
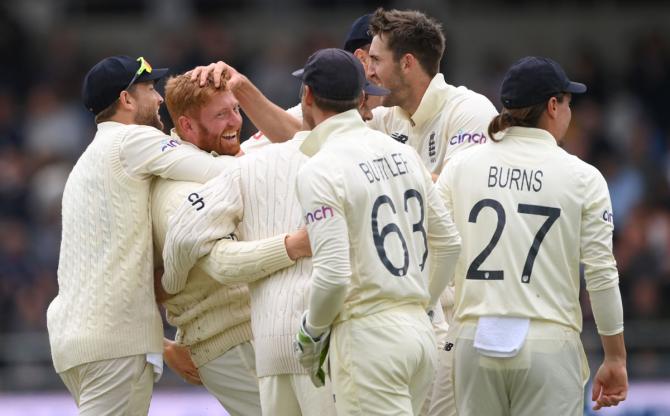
(372, 214)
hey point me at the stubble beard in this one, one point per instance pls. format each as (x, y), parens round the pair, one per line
(148, 117)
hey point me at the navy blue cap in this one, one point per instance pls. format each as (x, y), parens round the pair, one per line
(359, 34)
(105, 81)
(336, 74)
(533, 80)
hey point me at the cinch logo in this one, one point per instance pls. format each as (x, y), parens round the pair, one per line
(319, 214)
(467, 137)
(197, 201)
(168, 143)
(608, 216)
(402, 138)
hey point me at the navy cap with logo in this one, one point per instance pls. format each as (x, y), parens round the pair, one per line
(336, 74)
(359, 34)
(105, 81)
(533, 80)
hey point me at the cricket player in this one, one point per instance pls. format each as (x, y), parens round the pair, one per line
(384, 249)
(422, 110)
(213, 320)
(529, 214)
(245, 199)
(105, 331)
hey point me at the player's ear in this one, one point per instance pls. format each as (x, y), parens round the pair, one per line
(126, 100)
(362, 56)
(307, 95)
(407, 62)
(185, 126)
(552, 107)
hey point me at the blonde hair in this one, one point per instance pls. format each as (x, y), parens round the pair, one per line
(184, 97)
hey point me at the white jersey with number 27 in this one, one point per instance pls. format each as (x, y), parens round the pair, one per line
(528, 213)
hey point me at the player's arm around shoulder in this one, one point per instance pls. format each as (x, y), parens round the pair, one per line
(204, 216)
(146, 151)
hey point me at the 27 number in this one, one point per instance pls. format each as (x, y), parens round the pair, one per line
(392, 228)
(474, 271)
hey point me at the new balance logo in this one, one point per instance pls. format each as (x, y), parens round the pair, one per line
(402, 138)
(197, 201)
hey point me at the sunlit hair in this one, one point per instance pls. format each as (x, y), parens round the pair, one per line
(184, 97)
(410, 31)
(521, 117)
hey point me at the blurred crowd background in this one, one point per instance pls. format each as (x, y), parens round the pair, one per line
(621, 50)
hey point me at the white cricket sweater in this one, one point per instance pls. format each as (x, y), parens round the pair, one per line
(105, 305)
(259, 195)
(212, 317)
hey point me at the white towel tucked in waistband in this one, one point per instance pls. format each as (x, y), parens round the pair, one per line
(499, 336)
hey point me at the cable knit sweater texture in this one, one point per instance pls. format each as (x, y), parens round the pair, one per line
(212, 317)
(259, 195)
(105, 306)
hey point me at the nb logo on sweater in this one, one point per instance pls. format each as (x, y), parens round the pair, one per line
(319, 214)
(197, 201)
(402, 138)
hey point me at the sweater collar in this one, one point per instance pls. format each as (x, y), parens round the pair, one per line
(332, 126)
(431, 102)
(530, 133)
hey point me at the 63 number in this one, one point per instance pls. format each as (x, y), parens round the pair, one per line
(392, 228)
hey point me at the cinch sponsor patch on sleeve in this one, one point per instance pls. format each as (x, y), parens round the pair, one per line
(168, 144)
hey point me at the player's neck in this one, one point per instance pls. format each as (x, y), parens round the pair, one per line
(418, 87)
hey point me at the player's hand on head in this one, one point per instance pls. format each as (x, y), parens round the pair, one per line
(217, 70)
(610, 384)
(178, 358)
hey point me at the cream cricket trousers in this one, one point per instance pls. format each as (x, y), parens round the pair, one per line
(120, 386)
(231, 378)
(383, 364)
(546, 378)
(295, 395)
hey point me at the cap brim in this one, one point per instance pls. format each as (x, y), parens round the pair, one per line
(298, 73)
(372, 89)
(154, 75)
(575, 88)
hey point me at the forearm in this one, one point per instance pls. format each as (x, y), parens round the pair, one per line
(325, 303)
(443, 264)
(232, 261)
(614, 347)
(272, 120)
(607, 310)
